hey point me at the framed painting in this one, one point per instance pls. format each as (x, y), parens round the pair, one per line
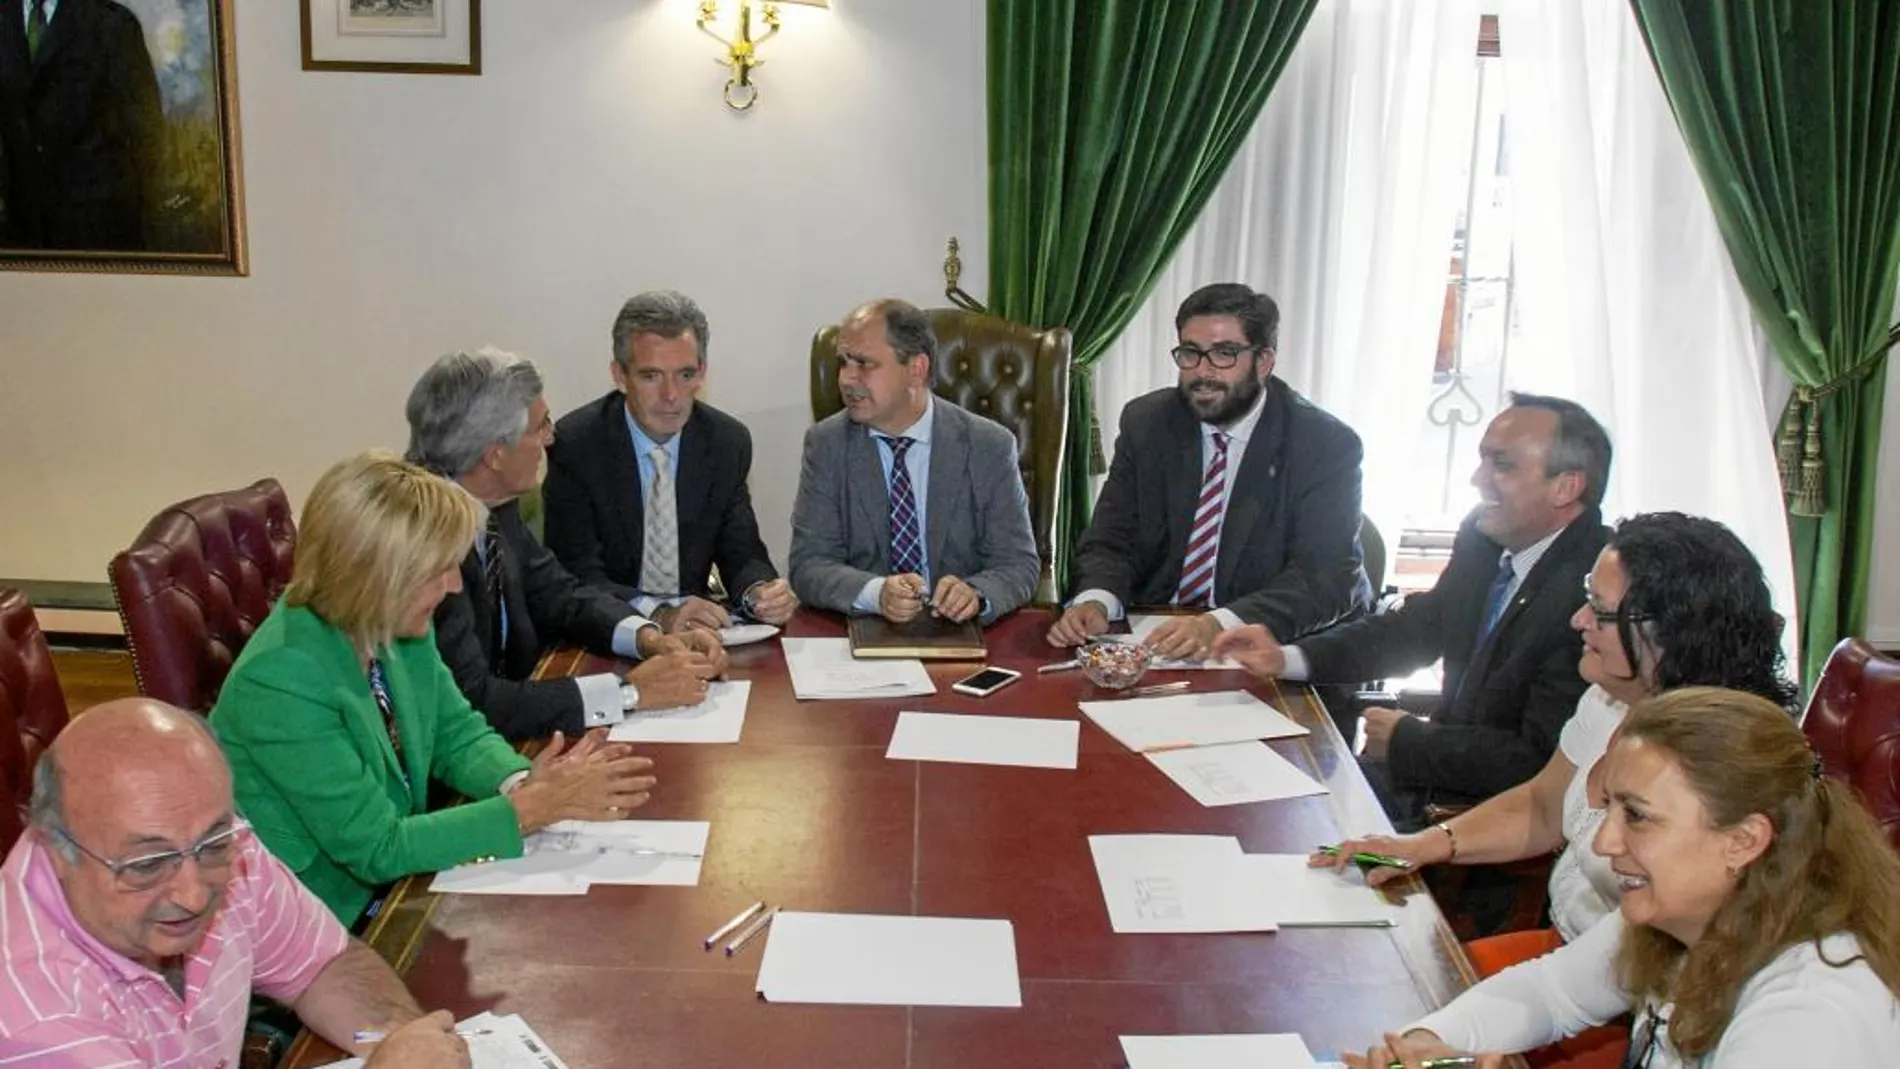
(119, 137)
(393, 36)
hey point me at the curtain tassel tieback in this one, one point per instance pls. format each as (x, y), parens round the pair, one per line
(1798, 455)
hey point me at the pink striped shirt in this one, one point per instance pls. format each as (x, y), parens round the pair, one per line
(67, 1001)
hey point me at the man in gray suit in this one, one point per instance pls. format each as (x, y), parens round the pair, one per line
(905, 501)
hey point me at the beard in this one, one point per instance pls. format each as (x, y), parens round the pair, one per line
(1226, 403)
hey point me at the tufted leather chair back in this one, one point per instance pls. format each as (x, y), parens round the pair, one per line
(1010, 373)
(32, 709)
(1853, 723)
(195, 584)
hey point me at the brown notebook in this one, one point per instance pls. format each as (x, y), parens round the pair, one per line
(927, 637)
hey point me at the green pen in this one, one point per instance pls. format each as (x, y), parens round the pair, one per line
(1390, 862)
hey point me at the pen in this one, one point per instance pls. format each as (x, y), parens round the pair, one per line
(752, 931)
(727, 928)
(1164, 747)
(1462, 1061)
(1363, 858)
(1159, 688)
(365, 1038)
(1058, 666)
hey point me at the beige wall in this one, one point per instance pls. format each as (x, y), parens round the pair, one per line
(394, 217)
(1883, 614)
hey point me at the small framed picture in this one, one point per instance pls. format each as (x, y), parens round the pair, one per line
(393, 36)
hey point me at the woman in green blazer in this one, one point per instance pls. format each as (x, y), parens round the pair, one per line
(340, 711)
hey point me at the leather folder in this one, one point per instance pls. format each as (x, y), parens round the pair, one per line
(926, 637)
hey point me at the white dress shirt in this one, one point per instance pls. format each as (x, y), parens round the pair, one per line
(917, 464)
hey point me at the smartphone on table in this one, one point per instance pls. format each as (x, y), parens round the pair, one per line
(986, 682)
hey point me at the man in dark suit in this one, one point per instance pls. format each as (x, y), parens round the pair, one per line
(1499, 616)
(1229, 493)
(80, 125)
(479, 419)
(646, 486)
(905, 501)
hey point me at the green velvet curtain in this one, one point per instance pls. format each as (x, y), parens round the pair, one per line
(1791, 109)
(1111, 121)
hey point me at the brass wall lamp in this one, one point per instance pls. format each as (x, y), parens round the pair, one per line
(742, 49)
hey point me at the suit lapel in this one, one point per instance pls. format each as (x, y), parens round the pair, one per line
(949, 458)
(14, 62)
(692, 486)
(58, 29)
(1253, 487)
(1182, 485)
(623, 474)
(864, 482)
(413, 727)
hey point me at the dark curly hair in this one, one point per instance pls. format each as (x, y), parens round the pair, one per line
(1700, 600)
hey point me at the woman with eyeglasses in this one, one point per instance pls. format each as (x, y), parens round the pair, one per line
(1672, 601)
(340, 712)
(1759, 925)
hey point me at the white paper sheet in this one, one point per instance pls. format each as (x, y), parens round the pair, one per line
(868, 959)
(1303, 897)
(1258, 1051)
(824, 668)
(1177, 720)
(1140, 624)
(569, 856)
(745, 634)
(1024, 742)
(719, 717)
(1177, 883)
(1235, 772)
(498, 1042)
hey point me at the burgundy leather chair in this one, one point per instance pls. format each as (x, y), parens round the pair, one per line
(32, 708)
(1853, 723)
(195, 584)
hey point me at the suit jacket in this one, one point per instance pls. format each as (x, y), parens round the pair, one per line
(546, 606)
(313, 769)
(80, 128)
(1507, 700)
(596, 520)
(1289, 553)
(976, 513)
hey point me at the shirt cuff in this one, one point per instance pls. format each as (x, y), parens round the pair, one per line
(1110, 604)
(508, 785)
(1296, 669)
(600, 700)
(1228, 618)
(868, 596)
(649, 606)
(626, 641)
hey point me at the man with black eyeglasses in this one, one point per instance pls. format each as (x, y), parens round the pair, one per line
(138, 913)
(1230, 495)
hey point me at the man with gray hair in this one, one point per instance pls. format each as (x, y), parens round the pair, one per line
(647, 486)
(479, 419)
(138, 914)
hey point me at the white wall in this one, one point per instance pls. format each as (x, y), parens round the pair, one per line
(1883, 611)
(395, 217)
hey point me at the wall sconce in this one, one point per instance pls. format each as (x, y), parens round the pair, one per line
(742, 50)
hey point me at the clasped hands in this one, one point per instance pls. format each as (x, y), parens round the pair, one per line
(1412, 1050)
(769, 602)
(901, 598)
(678, 667)
(1179, 638)
(588, 779)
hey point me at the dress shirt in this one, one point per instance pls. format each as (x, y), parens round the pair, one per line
(67, 999)
(1238, 434)
(643, 446)
(1582, 887)
(1796, 1010)
(1521, 564)
(26, 12)
(917, 463)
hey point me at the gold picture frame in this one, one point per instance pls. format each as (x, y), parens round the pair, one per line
(392, 36)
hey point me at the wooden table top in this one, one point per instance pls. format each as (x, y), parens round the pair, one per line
(807, 812)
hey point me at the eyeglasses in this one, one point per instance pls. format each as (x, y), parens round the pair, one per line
(1220, 356)
(1609, 617)
(213, 853)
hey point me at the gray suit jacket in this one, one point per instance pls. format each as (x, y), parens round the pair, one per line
(976, 513)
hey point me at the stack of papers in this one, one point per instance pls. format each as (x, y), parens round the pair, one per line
(1139, 626)
(824, 668)
(985, 740)
(719, 717)
(1217, 1052)
(866, 959)
(494, 1042)
(1174, 721)
(1235, 772)
(1205, 883)
(568, 857)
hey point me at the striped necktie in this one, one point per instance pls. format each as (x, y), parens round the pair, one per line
(659, 540)
(907, 553)
(1196, 588)
(491, 582)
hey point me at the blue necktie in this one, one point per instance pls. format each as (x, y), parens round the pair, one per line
(1495, 599)
(907, 554)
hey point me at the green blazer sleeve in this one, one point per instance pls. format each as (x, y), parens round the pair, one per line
(468, 754)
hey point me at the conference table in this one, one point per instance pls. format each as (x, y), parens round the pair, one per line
(808, 813)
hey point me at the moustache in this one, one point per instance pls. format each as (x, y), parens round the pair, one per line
(1211, 383)
(851, 396)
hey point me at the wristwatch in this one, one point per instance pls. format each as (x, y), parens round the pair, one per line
(629, 697)
(748, 604)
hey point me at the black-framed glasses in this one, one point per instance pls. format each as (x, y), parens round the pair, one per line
(213, 853)
(1218, 356)
(1609, 617)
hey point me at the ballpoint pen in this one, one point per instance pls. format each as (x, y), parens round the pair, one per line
(366, 1038)
(1461, 1061)
(727, 928)
(1363, 858)
(752, 931)
(1159, 688)
(1058, 666)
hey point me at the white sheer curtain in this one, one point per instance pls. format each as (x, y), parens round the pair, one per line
(1627, 299)
(1341, 204)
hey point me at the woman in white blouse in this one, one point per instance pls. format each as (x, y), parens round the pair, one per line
(1759, 924)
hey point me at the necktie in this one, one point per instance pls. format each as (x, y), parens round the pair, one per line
(1197, 568)
(491, 581)
(35, 28)
(379, 690)
(659, 545)
(907, 555)
(1495, 598)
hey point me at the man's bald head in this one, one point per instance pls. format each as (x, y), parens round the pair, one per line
(134, 749)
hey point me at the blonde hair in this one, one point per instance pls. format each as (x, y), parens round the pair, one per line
(373, 530)
(1828, 867)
